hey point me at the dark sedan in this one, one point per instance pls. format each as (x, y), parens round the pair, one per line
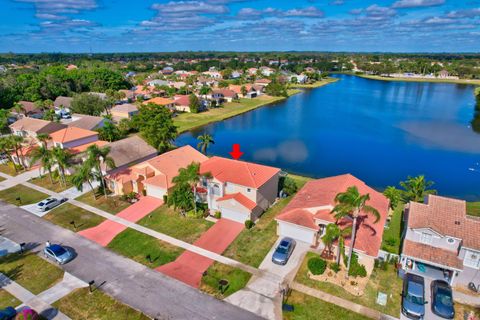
(442, 299)
(413, 296)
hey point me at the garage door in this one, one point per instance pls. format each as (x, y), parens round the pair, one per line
(297, 233)
(234, 215)
(155, 191)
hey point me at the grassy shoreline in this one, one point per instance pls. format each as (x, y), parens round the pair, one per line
(454, 81)
(316, 84)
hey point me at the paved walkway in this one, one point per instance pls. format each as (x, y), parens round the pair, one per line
(8, 246)
(42, 302)
(189, 266)
(374, 314)
(104, 233)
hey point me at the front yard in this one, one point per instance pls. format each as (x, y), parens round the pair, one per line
(237, 279)
(112, 204)
(44, 182)
(473, 208)
(392, 236)
(7, 300)
(167, 221)
(137, 246)
(80, 304)
(66, 213)
(381, 280)
(30, 271)
(8, 168)
(26, 195)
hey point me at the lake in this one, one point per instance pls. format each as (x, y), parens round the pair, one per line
(379, 131)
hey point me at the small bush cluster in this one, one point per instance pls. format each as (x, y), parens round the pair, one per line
(356, 269)
(317, 266)
(218, 214)
(335, 267)
(249, 224)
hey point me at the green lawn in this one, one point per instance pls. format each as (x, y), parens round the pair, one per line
(82, 305)
(9, 169)
(7, 300)
(30, 271)
(136, 245)
(392, 236)
(385, 281)
(237, 279)
(113, 204)
(2, 179)
(44, 182)
(317, 84)
(252, 245)
(167, 221)
(26, 194)
(188, 121)
(67, 212)
(310, 308)
(473, 208)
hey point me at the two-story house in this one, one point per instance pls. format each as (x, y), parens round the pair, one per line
(30, 128)
(441, 241)
(239, 190)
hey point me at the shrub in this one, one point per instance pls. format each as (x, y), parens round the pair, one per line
(249, 224)
(356, 269)
(391, 241)
(218, 214)
(335, 267)
(317, 266)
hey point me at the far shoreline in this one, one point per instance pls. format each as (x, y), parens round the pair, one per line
(405, 79)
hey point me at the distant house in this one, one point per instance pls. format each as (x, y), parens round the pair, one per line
(31, 128)
(167, 70)
(443, 74)
(129, 151)
(29, 109)
(252, 71)
(72, 137)
(442, 241)
(297, 78)
(182, 103)
(124, 111)
(129, 95)
(262, 82)
(221, 95)
(213, 74)
(101, 95)
(252, 91)
(87, 122)
(266, 71)
(169, 103)
(158, 82)
(71, 67)
(62, 102)
(236, 74)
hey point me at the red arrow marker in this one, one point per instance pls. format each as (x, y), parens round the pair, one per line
(236, 153)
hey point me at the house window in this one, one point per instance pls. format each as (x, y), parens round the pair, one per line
(472, 259)
(426, 238)
(248, 189)
(216, 190)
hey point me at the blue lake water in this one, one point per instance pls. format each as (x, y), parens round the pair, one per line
(377, 130)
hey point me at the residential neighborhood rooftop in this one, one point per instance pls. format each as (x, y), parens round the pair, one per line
(71, 134)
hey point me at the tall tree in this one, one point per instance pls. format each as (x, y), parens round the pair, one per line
(97, 156)
(16, 144)
(44, 155)
(205, 140)
(84, 174)
(61, 157)
(194, 103)
(6, 148)
(189, 176)
(86, 103)
(334, 233)
(394, 195)
(350, 204)
(416, 188)
(109, 132)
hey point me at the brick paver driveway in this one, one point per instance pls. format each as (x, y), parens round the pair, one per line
(190, 266)
(107, 230)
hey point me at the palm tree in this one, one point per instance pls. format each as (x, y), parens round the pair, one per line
(61, 157)
(43, 138)
(394, 195)
(43, 154)
(16, 144)
(332, 234)
(204, 142)
(190, 176)
(19, 109)
(350, 204)
(6, 148)
(96, 156)
(84, 174)
(416, 188)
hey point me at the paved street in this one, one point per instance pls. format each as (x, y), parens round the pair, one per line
(132, 283)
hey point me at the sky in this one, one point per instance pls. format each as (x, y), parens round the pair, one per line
(239, 25)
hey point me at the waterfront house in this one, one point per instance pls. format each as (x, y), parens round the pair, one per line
(163, 102)
(222, 95)
(182, 102)
(441, 241)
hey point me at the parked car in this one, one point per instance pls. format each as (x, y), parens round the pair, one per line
(283, 251)
(413, 296)
(442, 299)
(58, 253)
(8, 313)
(49, 203)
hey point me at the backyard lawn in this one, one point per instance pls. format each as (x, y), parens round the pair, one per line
(67, 213)
(30, 271)
(473, 208)
(113, 204)
(385, 281)
(26, 195)
(316, 84)
(44, 182)
(237, 279)
(252, 245)
(167, 221)
(82, 305)
(392, 235)
(7, 300)
(310, 308)
(137, 246)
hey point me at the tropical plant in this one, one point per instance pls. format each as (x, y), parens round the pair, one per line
(61, 157)
(87, 103)
(16, 144)
(181, 197)
(394, 195)
(50, 115)
(6, 148)
(84, 174)
(19, 109)
(316, 265)
(109, 132)
(189, 176)
(333, 233)
(416, 188)
(350, 204)
(289, 186)
(194, 103)
(205, 140)
(96, 156)
(44, 155)
(4, 113)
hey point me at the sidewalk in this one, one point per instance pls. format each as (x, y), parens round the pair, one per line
(42, 302)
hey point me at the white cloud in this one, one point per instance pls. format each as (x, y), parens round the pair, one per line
(417, 3)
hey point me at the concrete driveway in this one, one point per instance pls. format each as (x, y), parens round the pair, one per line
(189, 266)
(127, 281)
(428, 298)
(104, 233)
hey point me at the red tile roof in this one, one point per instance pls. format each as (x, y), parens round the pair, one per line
(83, 147)
(159, 101)
(240, 198)
(239, 172)
(225, 92)
(182, 100)
(432, 254)
(446, 216)
(71, 134)
(317, 197)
